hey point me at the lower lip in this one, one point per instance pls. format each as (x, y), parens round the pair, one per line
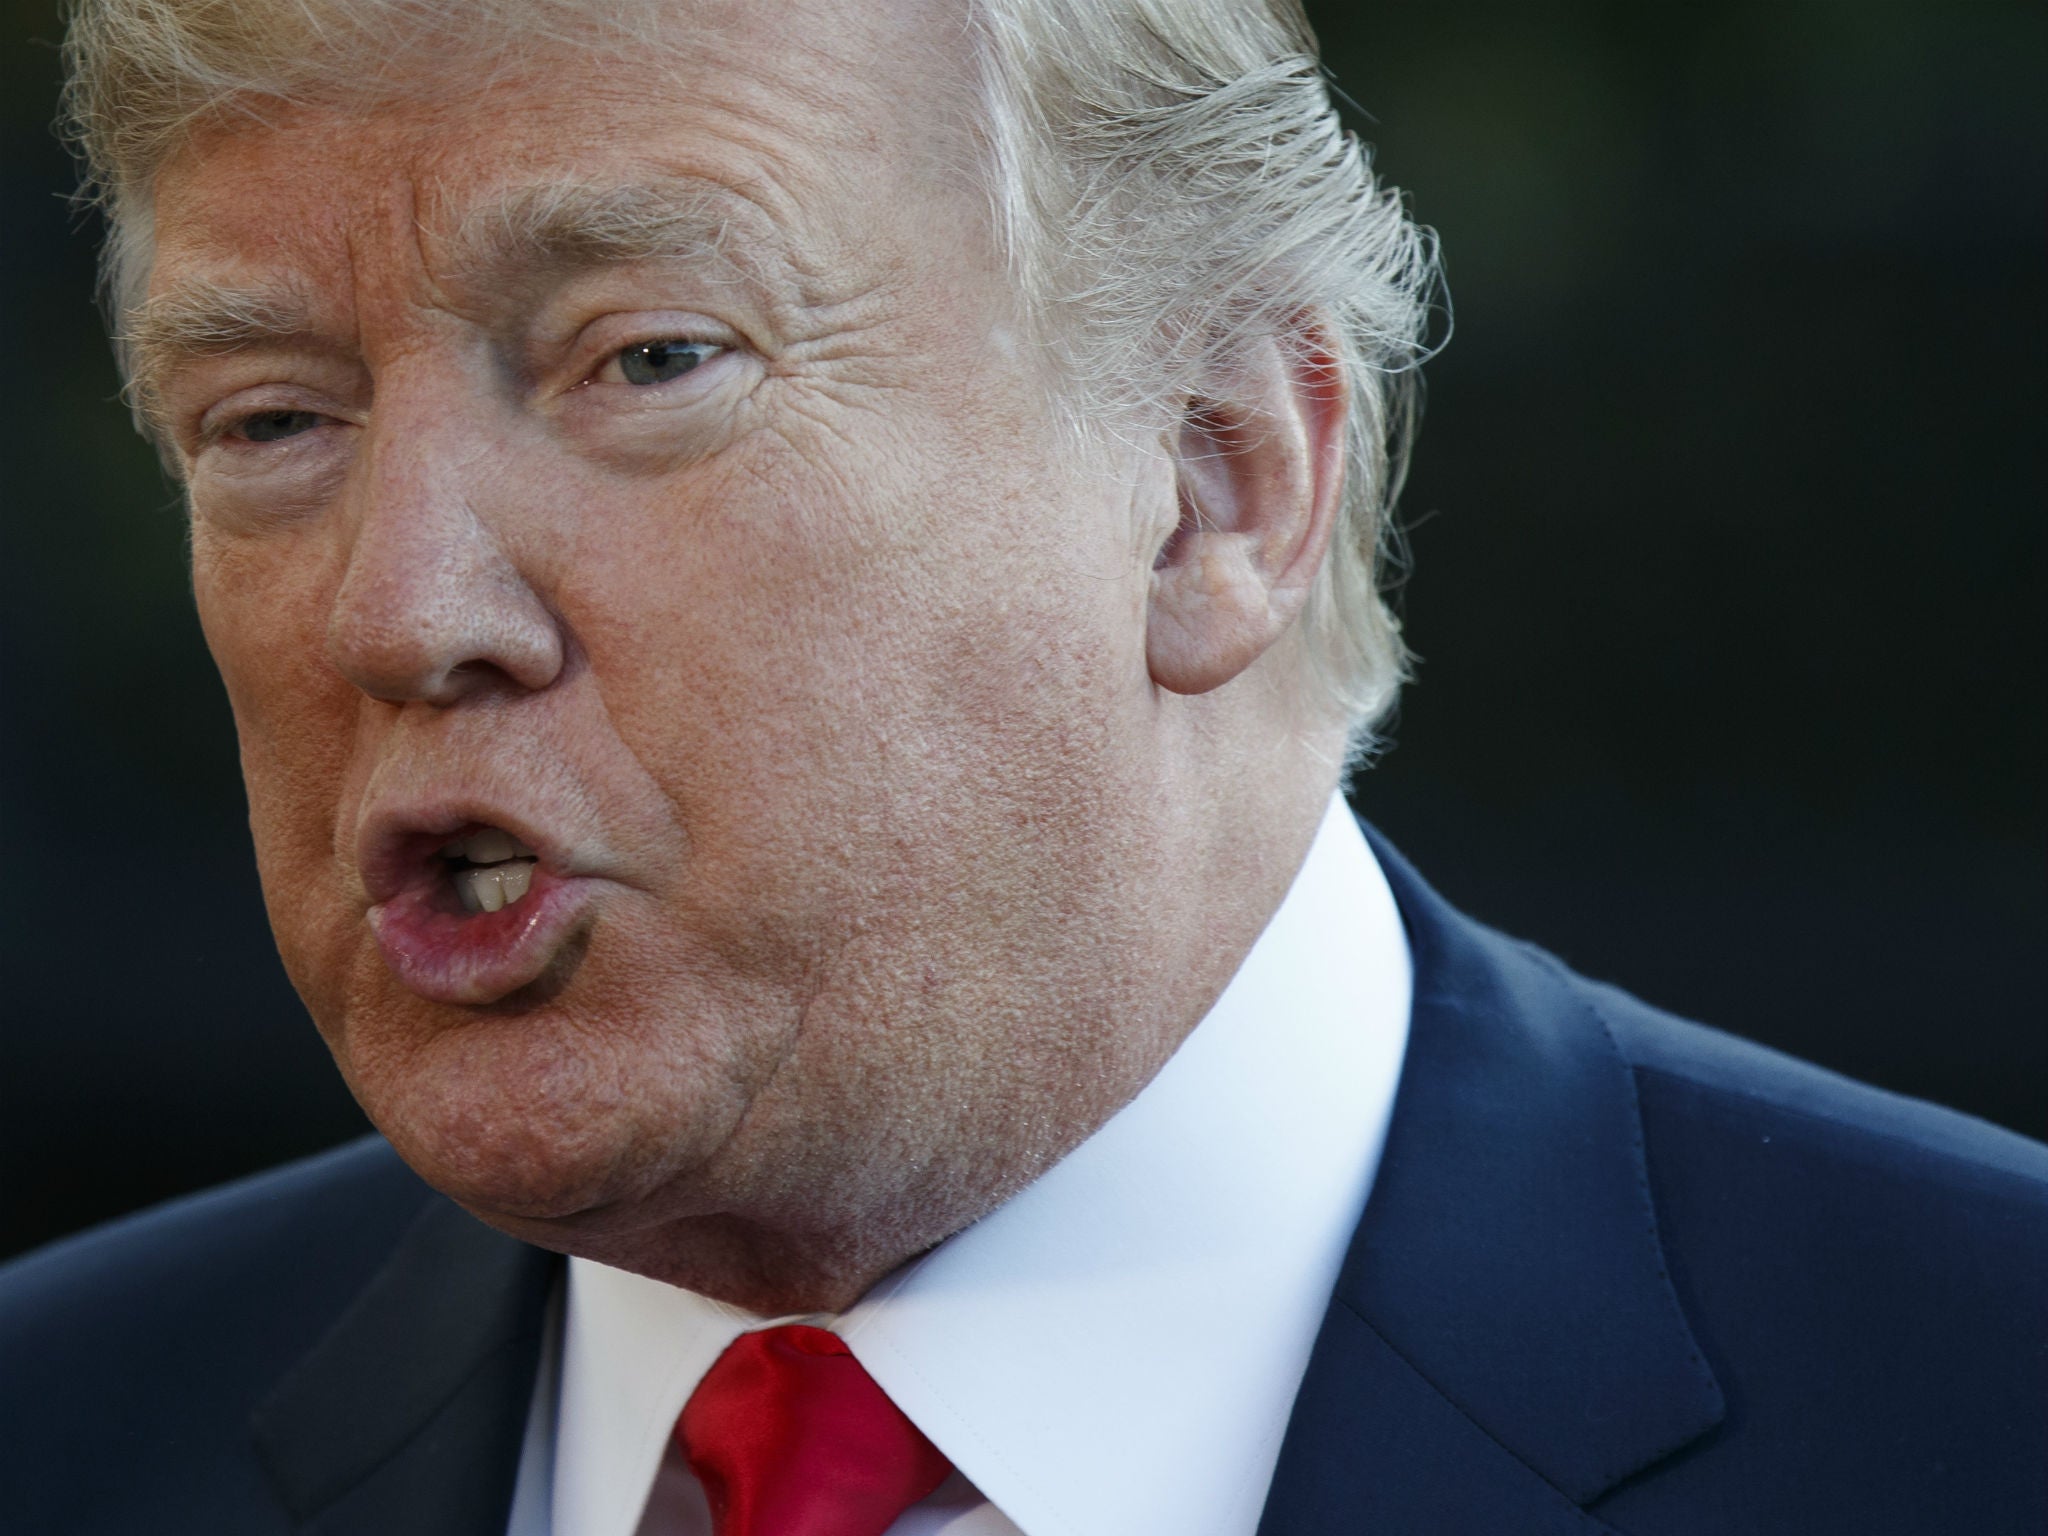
(448, 955)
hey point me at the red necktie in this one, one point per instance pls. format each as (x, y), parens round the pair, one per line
(791, 1437)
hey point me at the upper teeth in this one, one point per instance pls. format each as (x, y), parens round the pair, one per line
(505, 873)
(486, 890)
(490, 846)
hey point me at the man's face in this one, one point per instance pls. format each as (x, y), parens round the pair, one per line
(748, 586)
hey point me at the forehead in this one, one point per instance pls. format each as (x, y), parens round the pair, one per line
(811, 117)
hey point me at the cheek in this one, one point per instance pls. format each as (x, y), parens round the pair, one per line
(828, 671)
(741, 630)
(260, 610)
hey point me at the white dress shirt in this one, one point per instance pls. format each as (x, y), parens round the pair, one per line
(1115, 1350)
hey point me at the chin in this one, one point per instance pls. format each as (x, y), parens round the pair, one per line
(538, 1118)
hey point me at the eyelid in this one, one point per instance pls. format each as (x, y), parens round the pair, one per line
(600, 342)
(613, 360)
(204, 393)
(225, 414)
(223, 430)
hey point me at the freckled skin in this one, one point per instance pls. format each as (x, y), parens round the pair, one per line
(833, 668)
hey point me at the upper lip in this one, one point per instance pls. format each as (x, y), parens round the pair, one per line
(396, 845)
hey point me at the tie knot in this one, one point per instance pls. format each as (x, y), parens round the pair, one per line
(790, 1436)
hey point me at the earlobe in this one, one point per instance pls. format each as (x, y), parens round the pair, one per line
(1210, 615)
(1259, 470)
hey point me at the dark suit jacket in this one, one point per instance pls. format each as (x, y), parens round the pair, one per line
(1618, 1274)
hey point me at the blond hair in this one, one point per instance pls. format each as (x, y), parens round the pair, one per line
(1168, 178)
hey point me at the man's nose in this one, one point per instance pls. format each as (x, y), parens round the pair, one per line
(432, 605)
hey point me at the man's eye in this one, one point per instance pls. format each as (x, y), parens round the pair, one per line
(275, 426)
(656, 362)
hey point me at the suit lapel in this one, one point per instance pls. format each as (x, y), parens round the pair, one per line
(1503, 1345)
(406, 1419)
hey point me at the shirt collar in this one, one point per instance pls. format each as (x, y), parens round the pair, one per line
(1117, 1347)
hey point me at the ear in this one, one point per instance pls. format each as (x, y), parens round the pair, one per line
(1260, 472)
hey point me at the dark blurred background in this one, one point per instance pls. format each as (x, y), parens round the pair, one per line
(1727, 530)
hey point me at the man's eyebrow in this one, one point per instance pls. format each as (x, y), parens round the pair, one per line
(575, 224)
(203, 317)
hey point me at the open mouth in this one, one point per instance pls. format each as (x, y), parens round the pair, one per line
(488, 870)
(469, 912)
